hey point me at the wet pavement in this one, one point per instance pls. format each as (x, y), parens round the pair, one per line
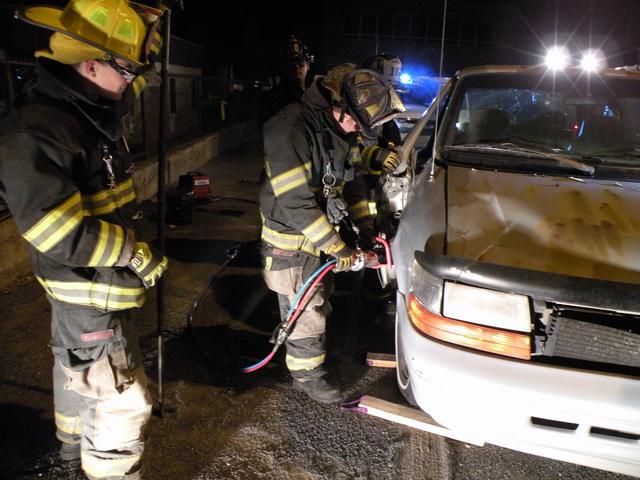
(223, 424)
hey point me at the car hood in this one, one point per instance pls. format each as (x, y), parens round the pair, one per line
(587, 228)
(413, 111)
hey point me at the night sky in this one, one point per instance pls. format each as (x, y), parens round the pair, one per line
(248, 35)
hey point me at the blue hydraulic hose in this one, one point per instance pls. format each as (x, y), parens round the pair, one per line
(294, 305)
(296, 299)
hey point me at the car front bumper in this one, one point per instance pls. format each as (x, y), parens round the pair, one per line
(586, 418)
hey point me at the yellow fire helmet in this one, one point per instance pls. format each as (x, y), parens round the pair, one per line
(363, 93)
(334, 79)
(88, 29)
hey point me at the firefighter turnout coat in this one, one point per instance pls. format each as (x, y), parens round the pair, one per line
(303, 143)
(67, 182)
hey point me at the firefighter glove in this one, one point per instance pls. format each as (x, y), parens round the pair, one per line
(388, 159)
(336, 209)
(343, 255)
(344, 263)
(148, 264)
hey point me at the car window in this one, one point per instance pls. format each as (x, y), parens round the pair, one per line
(588, 115)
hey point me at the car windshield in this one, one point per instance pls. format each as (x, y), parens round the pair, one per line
(589, 116)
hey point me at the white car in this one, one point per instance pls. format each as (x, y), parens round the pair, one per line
(516, 243)
(415, 105)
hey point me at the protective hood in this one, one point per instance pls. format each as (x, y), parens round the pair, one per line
(314, 95)
(581, 227)
(61, 82)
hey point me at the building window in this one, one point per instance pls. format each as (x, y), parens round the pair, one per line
(459, 31)
(435, 29)
(418, 29)
(468, 32)
(369, 26)
(352, 25)
(402, 28)
(452, 32)
(484, 33)
(385, 27)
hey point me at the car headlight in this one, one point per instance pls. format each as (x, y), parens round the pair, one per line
(487, 307)
(494, 322)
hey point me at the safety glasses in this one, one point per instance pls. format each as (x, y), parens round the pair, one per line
(127, 74)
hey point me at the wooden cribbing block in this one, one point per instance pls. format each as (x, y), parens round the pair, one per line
(411, 418)
(383, 360)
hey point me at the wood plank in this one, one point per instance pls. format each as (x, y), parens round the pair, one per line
(412, 418)
(383, 360)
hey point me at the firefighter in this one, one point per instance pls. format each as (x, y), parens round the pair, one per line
(379, 155)
(307, 188)
(66, 176)
(295, 60)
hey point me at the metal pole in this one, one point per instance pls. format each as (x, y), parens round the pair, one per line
(162, 201)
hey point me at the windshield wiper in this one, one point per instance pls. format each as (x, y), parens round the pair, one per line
(510, 148)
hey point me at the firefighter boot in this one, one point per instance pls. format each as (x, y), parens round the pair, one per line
(69, 451)
(318, 389)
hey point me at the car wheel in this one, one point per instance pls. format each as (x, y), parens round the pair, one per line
(402, 371)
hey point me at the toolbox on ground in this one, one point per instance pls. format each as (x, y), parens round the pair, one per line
(196, 182)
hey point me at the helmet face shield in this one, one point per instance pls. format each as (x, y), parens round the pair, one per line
(370, 99)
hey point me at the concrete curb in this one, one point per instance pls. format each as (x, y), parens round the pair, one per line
(188, 156)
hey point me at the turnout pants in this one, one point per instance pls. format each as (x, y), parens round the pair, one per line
(306, 343)
(102, 405)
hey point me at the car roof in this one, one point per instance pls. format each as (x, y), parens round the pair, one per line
(542, 69)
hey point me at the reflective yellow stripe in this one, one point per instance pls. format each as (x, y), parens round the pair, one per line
(290, 180)
(118, 242)
(70, 425)
(104, 194)
(56, 224)
(267, 168)
(354, 155)
(367, 153)
(107, 467)
(109, 245)
(359, 210)
(106, 201)
(103, 236)
(296, 363)
(373, 208)
(287, 241)
(108, 297)
(138, 85)
(318, 229)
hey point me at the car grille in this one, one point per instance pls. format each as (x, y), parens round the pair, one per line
(605, 341)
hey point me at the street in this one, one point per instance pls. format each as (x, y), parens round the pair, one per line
(223, 424)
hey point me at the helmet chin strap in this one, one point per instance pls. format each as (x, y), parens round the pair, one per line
(343, 111)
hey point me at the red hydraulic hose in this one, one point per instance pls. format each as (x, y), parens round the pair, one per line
(294, 316)
(387, 252)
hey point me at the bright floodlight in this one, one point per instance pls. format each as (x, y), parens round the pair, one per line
(591, 61)
(557, 58)
(406, 78)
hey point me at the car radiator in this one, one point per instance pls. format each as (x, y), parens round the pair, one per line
(598, 340)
